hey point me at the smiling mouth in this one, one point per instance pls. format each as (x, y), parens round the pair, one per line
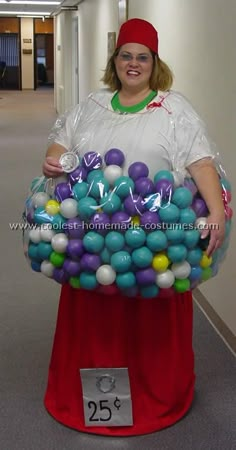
(133, 73)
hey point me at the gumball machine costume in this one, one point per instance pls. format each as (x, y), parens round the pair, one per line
(121, 232)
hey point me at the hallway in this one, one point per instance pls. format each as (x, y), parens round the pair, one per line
(28, 314)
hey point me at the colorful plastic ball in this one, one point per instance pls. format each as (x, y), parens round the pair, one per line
(196, 273)
(156, 241)
(35, 266)
(125, 280)
(57, 259)
(93, 242)
(58, 223)
(201, 223)
(144, 186)
(46, 232)
(163, 174)
(181, 270)
(90, 262)
(111, 203)
(47, 268)
(69, 208)
(170, 213)
(44, 250)
(153, 202)
(30, 216)
(33, 252)
(137, 170)
(175, 235)
(105, 275)
(120, 220)
(228, 212)
(114, 156)
(199, 206)
(60, 275)
(35, 235)
(74, 228)
(114, 241)
(80, 190)
(75, 249)
(39, 199)
(165, 279)
(187, 216)
(100, 222)
(112, 172)
(71, 267)
(149, 291)
(194, 256)
(38, 184)
(135, 221)
(149, 220)
(145, 277)
(86, 207)
(78, 175)
(134, 204)
(182, 286)
(93, 175)
(135, 237)
(63, 191)
(91, 160)
(225, 184)
(160, 262)
(74, 282)
(98, 187)
(177, 252)
(190, 184)
(182, 197)
(105, 256)
(123, 186)
(191, 238)
(121, 261)
(59, 242)
(41, 216)
(206, 273)
(52, 207)
(226, 196)
(165, 188)
(205, 261)
(142, 257)
(88, 280)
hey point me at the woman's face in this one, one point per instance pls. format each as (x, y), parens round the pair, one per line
(134, 65)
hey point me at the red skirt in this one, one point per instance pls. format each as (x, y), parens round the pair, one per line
(151, 337)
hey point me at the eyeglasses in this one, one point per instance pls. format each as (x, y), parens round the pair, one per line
(127, 57)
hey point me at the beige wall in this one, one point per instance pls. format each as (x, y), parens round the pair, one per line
(27, 61)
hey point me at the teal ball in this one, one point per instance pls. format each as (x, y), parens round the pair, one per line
(163, 175)
(111, 203)
(175, 235)
(191, 238)
(177, 253)
(149, 291)
(114, 241)
(182, 197)
(80, 190)
(142, 257)
(86, 207)
(135, 237)
(121, 261)
(156, 241)
(194, 256)
(169, 213)
(125, 280)
(93, 242)
(44, 250)
(124, 186)
(88, 280)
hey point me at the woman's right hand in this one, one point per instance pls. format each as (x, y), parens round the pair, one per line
(51, 167)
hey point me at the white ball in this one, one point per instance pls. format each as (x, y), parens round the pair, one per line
(112, 172)
(181, 270)
(105, 275)
(40, 199)
(46, 232)
(165, 279)
(47, 268)
(59, 242)
(200, 223)
(35, 236)
(69, 208)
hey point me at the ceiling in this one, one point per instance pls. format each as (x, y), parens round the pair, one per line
(13, 8)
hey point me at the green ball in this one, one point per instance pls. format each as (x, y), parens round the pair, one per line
(121, 261)
(88, 280)
(135, 237)
(181, 285)
(114, 241)
(206, 274)
(57, 259)
(125, 280)
(86, 207)
(142, 257)
(93, 242)
(74, 282)
(156, 241)
(80, 190)
(124, 186)
(44, 250)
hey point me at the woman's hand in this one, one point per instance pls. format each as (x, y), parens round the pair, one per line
(51, 167)
(215, 229)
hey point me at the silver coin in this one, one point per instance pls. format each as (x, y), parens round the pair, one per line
(69, 161)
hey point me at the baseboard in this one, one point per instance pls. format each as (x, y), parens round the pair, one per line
(218, 324)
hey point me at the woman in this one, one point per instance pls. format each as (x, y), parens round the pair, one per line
(151, 338)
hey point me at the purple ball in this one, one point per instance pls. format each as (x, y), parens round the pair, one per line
(72, 268)
(60, 276)
(165, 188)
(146, 276)
(134, 205)
(63, 191)
(200, 208)
(90, 262)
(114, 156)
(100, 222)
(74, 228)
(30, 216)
(121, 219)
(149, 217)
(138, 170)
(75, 249)
(91, 161)
(78, 175)
(144, 186)
(190, 184)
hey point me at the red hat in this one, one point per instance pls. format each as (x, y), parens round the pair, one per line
(139, 31)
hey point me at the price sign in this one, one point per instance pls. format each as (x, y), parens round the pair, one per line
(106, 397)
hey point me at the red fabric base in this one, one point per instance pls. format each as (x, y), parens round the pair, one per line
(152, 337)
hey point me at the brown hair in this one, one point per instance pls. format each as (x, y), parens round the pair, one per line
(161, 77)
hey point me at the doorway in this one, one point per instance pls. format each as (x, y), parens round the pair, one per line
(44, 60)
(9, 61)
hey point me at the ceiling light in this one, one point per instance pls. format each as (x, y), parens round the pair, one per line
(32, 13)
(29, 2)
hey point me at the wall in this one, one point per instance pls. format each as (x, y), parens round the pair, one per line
(197, 40)
(27, 60)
